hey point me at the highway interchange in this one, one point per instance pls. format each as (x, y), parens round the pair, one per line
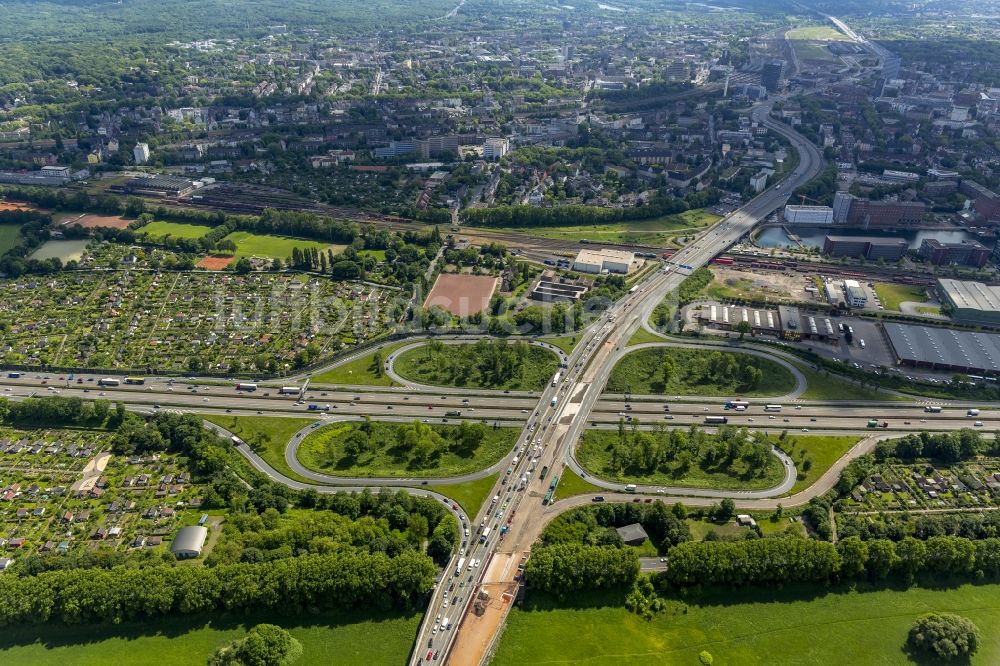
(551, 424)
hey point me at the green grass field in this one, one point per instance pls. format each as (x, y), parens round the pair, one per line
(571, 484)
(643, 336)
(821, 450)
(892, 295)
(269, 436)
(8, 236)
(471, 494)
(327, 639)
(594, 454)
(831, 387)
(459, 361)
(64, 250)
(816, 32)
(324, 452)
(274, 247)
(795, 626)
(810, 42)
(360, 371)
(159, 229)
(640, 373)
(655, 231)
(566, 342)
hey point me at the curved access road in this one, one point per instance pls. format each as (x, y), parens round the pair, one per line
(743, 500)
(800, 379)
(262, 466)
(390, 365)
(292, 460)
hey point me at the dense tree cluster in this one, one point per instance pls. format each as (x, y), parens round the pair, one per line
(574, 215)
(62, 410)
(337, 580)
(566, 568)
(595, 525)
(788, 560)
(418, 444)
(896, 526)
(947, 447)
(692, 285)
(264, 645)
(945, 636)
(753, 561)
(492, 362)
(731, 450)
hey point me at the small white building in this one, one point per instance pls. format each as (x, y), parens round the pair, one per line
(600, 261)
(854, 294)
(141, 153)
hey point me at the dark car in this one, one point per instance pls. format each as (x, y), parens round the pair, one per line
(597, 498)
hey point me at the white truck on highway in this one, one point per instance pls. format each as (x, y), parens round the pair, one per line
(485, 535)
(458, 567)
(933, 409)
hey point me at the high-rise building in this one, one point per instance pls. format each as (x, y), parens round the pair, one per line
(494, 149)
(141, 153)
(772, 75)
(841, 206)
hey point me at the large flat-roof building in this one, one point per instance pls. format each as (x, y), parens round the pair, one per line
(971, 302)
(598, 261)
(963, 253)
(887, 249)
(811, 215)
(944, 348)
(159, 186)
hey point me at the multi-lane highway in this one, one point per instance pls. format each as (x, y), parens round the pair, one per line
(564, 409)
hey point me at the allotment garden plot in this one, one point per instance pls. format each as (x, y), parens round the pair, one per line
(64, 491)
(181, 321)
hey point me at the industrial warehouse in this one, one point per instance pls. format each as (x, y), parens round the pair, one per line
(971, 302)
(785, 322)
(944, 349)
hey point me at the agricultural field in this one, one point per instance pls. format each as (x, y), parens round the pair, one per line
(331, 638)
(183, 321)
(494, 365)
(63, 491)
(796, 625)
(699, 372)
(8, 236)
(382, 449)
(274, 247)
(158, 230)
